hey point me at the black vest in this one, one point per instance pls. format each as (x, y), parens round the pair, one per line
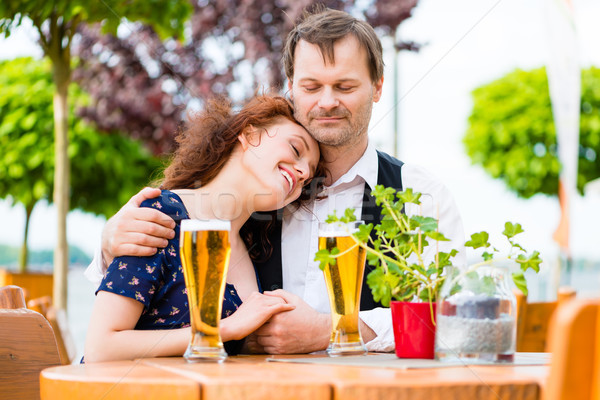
(269, 271)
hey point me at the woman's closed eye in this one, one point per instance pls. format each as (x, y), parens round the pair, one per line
(295, 149)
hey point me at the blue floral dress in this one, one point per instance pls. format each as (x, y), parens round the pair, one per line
(157, 281)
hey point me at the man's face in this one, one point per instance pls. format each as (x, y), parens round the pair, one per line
(334, 102)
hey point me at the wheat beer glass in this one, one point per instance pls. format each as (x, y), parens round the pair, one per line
(205, 249)
(344, 283)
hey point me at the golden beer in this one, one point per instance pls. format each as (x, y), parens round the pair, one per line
(204, 248)
(344, 284)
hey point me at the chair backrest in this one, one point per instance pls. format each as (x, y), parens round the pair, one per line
(533, 320)
(575, 345)
(12, 297)
(58, 321)
(27, 346)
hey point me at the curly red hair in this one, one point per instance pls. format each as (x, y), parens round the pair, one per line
(206, 143)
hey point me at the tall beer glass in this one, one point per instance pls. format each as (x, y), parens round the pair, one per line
(344, 284)
(205, 249)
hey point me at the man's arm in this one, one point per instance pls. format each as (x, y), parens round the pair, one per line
(132, 231)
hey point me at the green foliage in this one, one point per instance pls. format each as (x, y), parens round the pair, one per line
(397, 250)
(517, 253)
(106, 169)
(167, 17)
(397, 275)
(512, 136)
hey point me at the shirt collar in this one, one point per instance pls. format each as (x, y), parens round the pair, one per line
(366, 168)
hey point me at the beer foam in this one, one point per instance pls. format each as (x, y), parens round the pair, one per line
(337, 229)
(205, 225)
(337, 233)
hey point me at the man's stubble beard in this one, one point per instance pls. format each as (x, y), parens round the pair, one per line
(346, 135)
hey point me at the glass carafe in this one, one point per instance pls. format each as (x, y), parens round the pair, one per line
(476, 315)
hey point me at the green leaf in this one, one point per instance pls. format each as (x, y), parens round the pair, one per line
(478, 240)
(487, 256)
(331, 218)
(437, 236)
(325, 257)
(532, 261)
(510, 229)
(348, 216)
(487, 285)
(520, 282)
(364, 233)
(426, 224)
(408, 196)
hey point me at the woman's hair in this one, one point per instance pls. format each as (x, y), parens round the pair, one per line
(206, 143)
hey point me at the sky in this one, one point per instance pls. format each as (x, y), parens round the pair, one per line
(466, 43)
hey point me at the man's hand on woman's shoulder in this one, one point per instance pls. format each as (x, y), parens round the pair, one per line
(135, 230)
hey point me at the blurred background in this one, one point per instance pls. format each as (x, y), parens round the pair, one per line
(494, 147)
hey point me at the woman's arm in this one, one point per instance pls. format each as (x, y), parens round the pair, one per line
(111, 335)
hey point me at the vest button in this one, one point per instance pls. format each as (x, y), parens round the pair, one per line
(274, 286)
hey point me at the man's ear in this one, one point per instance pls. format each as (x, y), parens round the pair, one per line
(378, 88)
(290, 92)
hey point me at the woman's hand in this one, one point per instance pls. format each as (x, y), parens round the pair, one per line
(253, 313)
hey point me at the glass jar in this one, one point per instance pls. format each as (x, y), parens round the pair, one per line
(476, 315)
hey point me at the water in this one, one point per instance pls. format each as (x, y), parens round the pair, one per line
(79, 307)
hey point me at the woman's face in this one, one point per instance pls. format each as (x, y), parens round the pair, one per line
(283, 158)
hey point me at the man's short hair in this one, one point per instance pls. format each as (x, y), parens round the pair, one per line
(323, 27)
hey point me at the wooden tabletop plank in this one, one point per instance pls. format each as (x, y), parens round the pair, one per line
(115, 380)
(254, 380)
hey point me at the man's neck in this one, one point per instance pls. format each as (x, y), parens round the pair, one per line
(339, 160)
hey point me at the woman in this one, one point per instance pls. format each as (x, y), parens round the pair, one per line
(226, 167)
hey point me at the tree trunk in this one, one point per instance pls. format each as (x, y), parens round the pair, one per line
(23, 257)
(62, 72)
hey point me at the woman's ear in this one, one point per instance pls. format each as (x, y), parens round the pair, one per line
(244, 141)
(249, 137)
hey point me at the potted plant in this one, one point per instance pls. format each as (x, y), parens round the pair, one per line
(402, 278)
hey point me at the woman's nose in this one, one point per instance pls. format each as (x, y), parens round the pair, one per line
(303, 171)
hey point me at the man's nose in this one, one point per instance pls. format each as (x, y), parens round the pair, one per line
(328, 99)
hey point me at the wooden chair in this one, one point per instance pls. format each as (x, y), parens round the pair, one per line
(27, 346)
(533, 320)
(575, 345)
(58, 321)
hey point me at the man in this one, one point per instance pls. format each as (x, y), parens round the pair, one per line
(334, 66)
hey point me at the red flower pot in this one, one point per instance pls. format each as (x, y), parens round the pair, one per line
(414, 331)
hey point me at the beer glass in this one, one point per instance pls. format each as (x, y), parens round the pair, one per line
(204, 248)
(344, 284)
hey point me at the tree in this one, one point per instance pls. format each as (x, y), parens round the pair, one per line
(143, 85)
(511, 132)
(108, 168)
(57, 22)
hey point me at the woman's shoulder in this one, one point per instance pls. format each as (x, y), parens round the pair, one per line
(169, 203)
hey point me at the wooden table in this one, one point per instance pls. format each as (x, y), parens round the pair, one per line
(251, 377)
